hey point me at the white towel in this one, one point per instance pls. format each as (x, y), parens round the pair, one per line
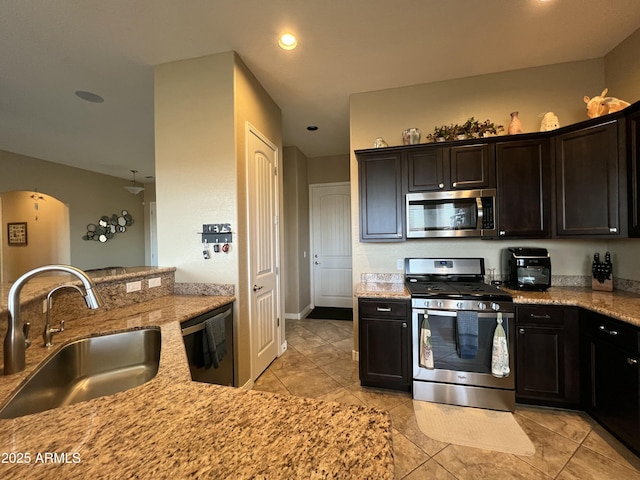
(426, 354)
(500, 353)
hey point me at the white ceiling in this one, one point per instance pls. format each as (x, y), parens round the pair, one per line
(51, 48)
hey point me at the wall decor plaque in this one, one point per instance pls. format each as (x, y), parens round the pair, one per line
(17, 233)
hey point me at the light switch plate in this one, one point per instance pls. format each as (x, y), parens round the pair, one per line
(134, 286)
(155, 282)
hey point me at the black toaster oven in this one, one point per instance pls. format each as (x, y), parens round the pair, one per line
(526, 268)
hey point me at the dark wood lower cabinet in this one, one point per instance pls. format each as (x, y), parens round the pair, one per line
(613, 380)
(547, 356)
(385, 343)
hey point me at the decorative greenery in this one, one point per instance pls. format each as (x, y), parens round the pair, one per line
(472, 128)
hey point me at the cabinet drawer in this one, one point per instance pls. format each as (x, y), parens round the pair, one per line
(544, 316)
(623, 335)
(384, 308)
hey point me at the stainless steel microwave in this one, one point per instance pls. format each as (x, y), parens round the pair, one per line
(458, 213)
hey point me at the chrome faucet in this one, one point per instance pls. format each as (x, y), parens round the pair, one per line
(15, 343)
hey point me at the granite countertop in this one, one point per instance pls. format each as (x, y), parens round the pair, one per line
(173, 427)
(618, 304)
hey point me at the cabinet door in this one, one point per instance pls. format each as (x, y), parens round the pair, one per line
(633, 144)
(587, 181)
(381, 201)
(615, 389)
(426, 170)
(523, 183)
(384, 353)
(547, 356)
(471, 167)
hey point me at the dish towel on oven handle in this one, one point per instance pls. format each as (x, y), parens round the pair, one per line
(426, 353)
(500, 352)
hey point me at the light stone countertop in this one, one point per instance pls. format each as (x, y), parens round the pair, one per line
(618, 304)
(171, 427)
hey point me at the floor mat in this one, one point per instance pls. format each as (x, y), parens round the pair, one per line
(331, 313)
(473, 427)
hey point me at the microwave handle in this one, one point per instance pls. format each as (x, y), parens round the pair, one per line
(480, 213)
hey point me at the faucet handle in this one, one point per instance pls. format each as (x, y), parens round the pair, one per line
(61, 329)
(26, 327)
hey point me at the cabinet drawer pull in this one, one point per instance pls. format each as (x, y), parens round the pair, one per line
(610, 332)
(383, 309)
(540, 317)
(613, 230)
(521, 331)
(404, 325)
(441, 185)
(632, 361)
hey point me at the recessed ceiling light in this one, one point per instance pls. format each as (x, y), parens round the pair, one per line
(288, 41)
(89, 96)
(312, 128)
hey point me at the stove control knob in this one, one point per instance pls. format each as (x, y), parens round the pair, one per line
(460, 305)
(426, 303)
(482, 306)
(495, 306)
(439, 304)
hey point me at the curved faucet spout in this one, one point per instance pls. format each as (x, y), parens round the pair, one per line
(14, 342)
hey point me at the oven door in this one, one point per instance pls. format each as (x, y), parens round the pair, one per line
(448, 366)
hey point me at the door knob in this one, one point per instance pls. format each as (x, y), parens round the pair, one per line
(256, 287)
(317, 262)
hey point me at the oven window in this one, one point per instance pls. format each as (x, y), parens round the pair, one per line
(444, 343)
(453, 214)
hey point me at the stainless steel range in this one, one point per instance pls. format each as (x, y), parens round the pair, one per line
(463, 334)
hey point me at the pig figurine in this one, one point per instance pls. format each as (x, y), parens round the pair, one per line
(602, 105)
(549, 122)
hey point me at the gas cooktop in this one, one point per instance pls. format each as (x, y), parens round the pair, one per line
(470, 290)
(450, 278)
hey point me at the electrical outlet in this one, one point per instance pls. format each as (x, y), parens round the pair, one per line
(134, 286)
(155, 282)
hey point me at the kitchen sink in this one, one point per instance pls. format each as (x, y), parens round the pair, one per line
(88, 368)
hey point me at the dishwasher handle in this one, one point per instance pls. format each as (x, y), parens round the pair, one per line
(200, 326)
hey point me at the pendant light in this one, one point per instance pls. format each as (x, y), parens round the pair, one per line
(133, 188)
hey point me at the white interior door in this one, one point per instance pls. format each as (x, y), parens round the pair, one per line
(331, 245)
(262, 189)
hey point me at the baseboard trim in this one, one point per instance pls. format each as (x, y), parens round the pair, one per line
(299, 316)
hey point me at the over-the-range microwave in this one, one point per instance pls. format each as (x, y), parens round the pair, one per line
(457, 213)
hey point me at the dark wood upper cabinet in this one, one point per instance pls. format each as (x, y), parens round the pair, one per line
(588, 166)
(523, 176)
(472, 166)
(462, 167)
(381, 197)
(633, 145)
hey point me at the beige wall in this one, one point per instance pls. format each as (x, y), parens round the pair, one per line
(201, 108)
(89, 196)
(297, 243)
(330, 169)
(47, 237)
(622, 69)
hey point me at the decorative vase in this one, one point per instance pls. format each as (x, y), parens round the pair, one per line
(380, 143)
(515, 126)
(411, 136)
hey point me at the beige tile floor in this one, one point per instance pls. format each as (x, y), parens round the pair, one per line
(569, 445)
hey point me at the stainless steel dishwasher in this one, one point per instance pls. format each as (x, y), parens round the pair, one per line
(193, 335)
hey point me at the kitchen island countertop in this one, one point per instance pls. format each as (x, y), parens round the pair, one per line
(171, 427)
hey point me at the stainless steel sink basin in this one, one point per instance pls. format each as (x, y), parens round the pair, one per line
(88, 368)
